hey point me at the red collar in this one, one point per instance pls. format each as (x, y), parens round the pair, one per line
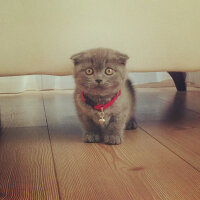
(100, 106)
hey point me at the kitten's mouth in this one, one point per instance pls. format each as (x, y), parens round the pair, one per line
(102, 89)
(98, 90)
(99, 87)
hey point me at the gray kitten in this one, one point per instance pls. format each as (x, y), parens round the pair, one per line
(101, 78)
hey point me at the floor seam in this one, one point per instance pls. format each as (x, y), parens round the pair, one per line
(54, 164)
(168, 148)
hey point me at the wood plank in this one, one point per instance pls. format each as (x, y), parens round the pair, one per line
(22, 110)
(26, 162)
(191, 98)
(140, 168)
(26, 166)
(171, 123)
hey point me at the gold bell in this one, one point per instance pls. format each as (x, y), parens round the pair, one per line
(102, 121)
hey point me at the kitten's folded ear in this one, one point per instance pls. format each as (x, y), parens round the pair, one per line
(76, 58)
(122, 58)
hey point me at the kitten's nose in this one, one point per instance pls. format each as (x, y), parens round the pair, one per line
(98, 81)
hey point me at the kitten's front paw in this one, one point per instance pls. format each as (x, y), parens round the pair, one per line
(91, 138)
(113, 139)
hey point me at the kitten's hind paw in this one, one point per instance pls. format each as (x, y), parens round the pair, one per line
(132, 124)
(113, 139)
(91, 138)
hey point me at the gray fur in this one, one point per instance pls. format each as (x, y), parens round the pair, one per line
(120, 115)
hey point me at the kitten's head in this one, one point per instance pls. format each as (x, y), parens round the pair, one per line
(99, 71)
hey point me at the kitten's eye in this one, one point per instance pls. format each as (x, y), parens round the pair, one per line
(109, 71)
(89, 71)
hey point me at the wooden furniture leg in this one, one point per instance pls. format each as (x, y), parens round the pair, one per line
(179, 80)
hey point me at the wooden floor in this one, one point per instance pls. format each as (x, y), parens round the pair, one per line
(42, 155)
